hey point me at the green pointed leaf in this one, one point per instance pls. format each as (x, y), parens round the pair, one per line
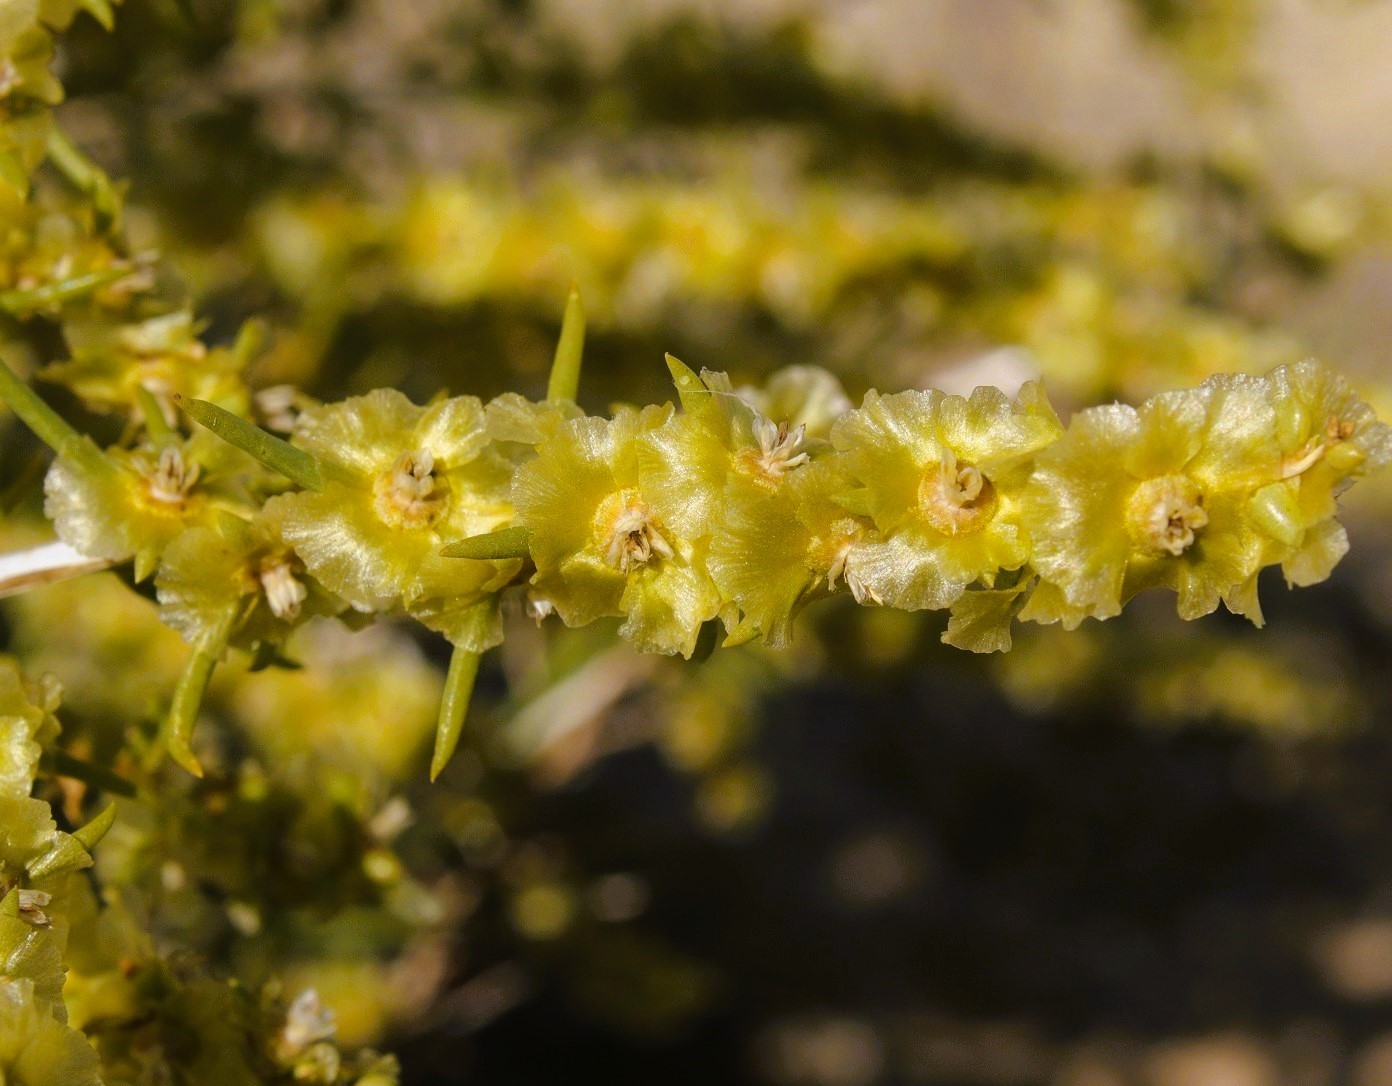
(492, 546)
(280, 456)
(454, 707)
(570, 349)
(183, 711)
(690, 387)
(89, 835)
(66, 854)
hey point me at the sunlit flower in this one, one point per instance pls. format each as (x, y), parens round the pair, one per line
(163, 355)
(600, 544)
(35, 1048)
(1327, 437)
(1158, 496)
(405, 481)
(718, 441)
(236, 581)
(136, 507)
(27, 725)
(941, 478)
(779, 550)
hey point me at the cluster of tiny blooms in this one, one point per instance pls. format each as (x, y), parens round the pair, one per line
(724, 515)
(85, 997)
(720, 516)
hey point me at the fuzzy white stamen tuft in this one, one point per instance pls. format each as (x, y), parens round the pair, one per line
(31, 907)
(843, 567)
(408, 495)
(630, 533)
(956, 498)
(306, 1023)
(780, 449)
(284, 593)
(1166, 514)
(173, 476)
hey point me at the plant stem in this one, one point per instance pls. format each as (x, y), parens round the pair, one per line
(62, 764)
(65, 290)
(50, 427)
(156, 425)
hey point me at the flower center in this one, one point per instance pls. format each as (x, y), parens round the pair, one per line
(284, 593)
(1336, 431)
(1166, 514)
(31, 907)
(956, 498)
(843, 566)
(780, 449)
(629, 532)
(408, 495)
(172, 476)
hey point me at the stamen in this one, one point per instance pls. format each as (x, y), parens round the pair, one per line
(1166, 514)
(1336, 431)
(31, 907)
(407, 495)
(956, 498)
(278, 406)
(172, 477)
(629, 532)
(306, 1023)
(842, 567)
(539, 608)
(284, 593)
(780, 449)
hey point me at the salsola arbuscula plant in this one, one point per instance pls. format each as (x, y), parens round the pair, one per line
(711, 516)
(715, 518)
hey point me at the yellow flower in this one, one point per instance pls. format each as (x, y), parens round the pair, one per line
(600, 544)
(240, 578)
(35, 1048)
(27, 725)
(163, 355)
(27, 89)
(1158, 496)
(1327, 437)
(941, 478)
(133, 507)
(780, 550)
(403, 481)
(717, 441)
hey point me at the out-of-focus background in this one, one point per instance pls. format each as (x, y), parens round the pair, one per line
(1147, 853)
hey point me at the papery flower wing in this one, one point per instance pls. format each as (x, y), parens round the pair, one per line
(1074, 509)
(886, 444)
(362, 434)
(344, 545)
(666, 605)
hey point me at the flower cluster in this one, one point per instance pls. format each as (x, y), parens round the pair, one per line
(730, 511)
(721, 515)
(85, 997)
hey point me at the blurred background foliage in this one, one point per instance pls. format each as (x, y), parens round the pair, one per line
(1145, 852)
